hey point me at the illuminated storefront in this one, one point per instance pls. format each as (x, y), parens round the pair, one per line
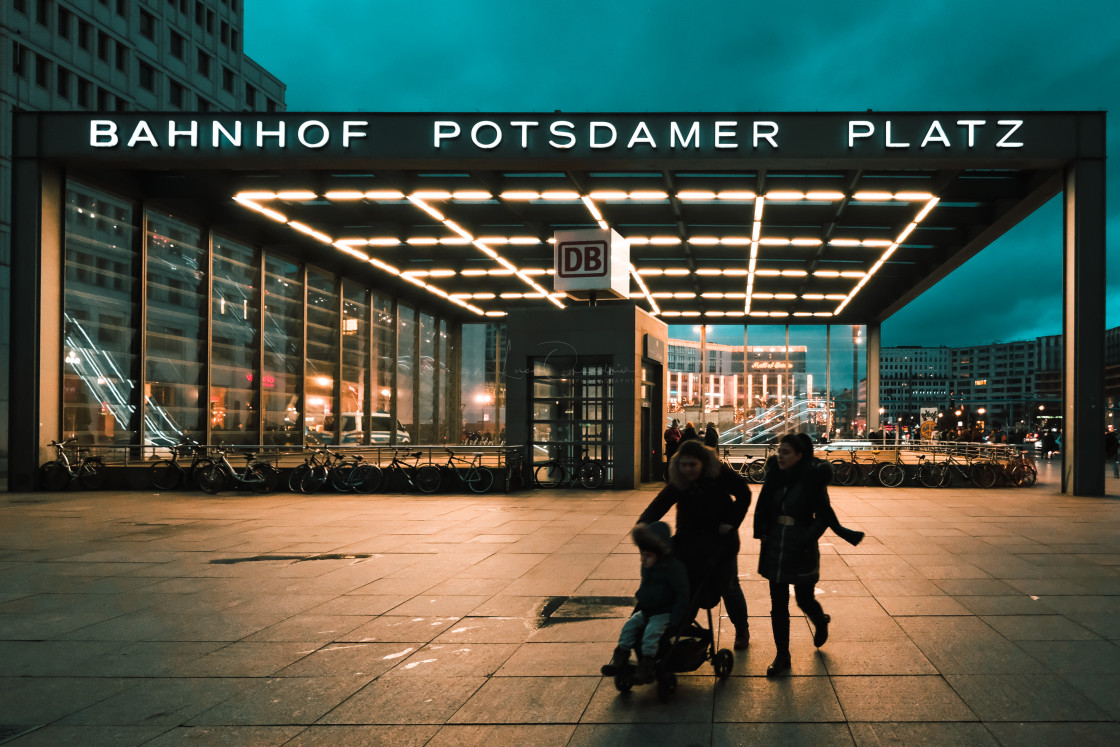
(297, 278)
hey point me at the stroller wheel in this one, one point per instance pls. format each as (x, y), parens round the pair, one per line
(624, 681)
(723, 662)
(666, 687)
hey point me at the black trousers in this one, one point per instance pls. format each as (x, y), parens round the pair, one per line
(779, 610)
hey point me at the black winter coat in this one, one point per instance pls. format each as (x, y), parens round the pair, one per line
(664, 590)
(719, 496)
(789, 554)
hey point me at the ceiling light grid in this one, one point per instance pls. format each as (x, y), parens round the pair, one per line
(423, 200)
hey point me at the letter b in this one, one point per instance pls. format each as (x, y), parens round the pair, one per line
(592, 259)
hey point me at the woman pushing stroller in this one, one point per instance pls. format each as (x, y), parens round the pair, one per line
(712, 501)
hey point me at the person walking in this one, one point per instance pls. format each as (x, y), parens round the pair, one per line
(792, 513)
(688, 433)
(712, 501)
(672, 440)
(711, 436)
(1112, 451)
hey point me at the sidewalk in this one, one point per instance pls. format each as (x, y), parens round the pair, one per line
(967, 617)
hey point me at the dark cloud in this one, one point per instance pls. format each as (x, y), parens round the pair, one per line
(710, 55)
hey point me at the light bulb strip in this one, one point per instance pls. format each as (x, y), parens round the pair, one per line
(931, 202)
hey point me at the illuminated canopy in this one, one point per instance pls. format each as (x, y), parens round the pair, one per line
(800, 218)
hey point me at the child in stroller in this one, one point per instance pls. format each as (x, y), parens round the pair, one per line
(663, 628)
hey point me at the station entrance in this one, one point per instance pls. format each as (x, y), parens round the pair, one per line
(282, 280)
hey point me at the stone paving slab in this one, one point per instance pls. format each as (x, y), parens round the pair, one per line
(966, 617)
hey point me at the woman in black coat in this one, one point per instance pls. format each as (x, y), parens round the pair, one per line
(792, 513)
(712, 501)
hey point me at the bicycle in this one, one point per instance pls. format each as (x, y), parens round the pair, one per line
(423, 477)
(168, 474)
(850, 471)
(588, 473)
(57, 473)
(261, 477)
(312, 474)
(929, 473)
(473, 475)
(892, 474)
(756, 469)
(349, 474)
(979, 472)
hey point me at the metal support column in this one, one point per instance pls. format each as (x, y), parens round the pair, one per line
(873, 344)
(1083, 328)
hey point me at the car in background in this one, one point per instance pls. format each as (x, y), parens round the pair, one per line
(381, 429)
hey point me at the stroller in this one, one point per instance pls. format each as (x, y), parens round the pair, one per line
(686, 649)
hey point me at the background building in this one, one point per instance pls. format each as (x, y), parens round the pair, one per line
(116, 55)
(1014, 386)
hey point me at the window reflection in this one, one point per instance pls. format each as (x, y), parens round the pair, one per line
(283, 352)
(353, 424)
(101, 319)
(236, 344)
(406, 368)
(321, 421)
(175, 365)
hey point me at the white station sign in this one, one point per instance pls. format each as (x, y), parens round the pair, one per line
(592, 260)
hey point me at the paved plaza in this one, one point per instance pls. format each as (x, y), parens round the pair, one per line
(967, 617)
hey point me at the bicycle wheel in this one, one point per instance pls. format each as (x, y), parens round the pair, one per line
(295, 476)
(479, 479)
(314, 479)
(91, 473)
(944, 475)
(165, 475)
(929, 475)
(270, 477)
(844, 472)
(982, 474)
(549, 475)
(756, 470)
(211, 479)
(428, 478)
(591, 474)
(342, 477)
(891, 475)
(262, 477)
(367, 478)
(55, 476)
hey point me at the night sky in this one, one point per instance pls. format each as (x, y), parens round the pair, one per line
(806, 55)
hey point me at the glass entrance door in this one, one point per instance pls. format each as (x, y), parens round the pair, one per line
(571, 409)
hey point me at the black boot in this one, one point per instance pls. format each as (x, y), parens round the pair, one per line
(820, 632)
(644, 672)
(620, 663)
(742, 638)
(780, 666)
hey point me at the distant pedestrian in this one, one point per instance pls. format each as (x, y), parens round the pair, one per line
(672, 441)
(711, 436)
(688, 433)
(1112, 451)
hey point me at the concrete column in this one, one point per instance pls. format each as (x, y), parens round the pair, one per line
(873, 345)
(1083, 328)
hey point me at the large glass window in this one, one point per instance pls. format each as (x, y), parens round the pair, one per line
(322, 357)
(448, 401)
(282, 377)
(427, 380)
(101, 319)
(406, 368)
(236, 344)
(175, 369)
(384, 327)
(355, 364)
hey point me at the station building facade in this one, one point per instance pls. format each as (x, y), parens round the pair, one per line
(281, 279)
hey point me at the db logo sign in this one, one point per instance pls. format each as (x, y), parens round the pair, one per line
(582, 259)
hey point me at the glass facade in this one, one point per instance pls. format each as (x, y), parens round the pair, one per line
(778, 378)
(171, 332)
(101, 320)
(235, 344)
(175, 360)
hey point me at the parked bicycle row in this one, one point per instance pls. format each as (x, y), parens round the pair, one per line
(1011, 468)
(214, 469)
